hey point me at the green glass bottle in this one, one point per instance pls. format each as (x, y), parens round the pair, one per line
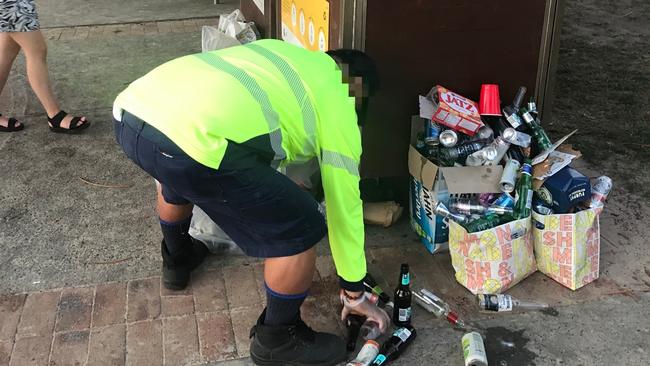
(543, 141)
(487, 222)
(524, 192)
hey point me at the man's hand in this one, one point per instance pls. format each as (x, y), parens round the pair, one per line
(358, 303)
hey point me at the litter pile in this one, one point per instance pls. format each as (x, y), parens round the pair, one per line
(490, 185)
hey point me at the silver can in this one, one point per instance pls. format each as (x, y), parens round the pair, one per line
(432, 133)
(509, 177)
(517, 138)
(501, 147)
(448, 138)
(484, 133)
(498, 210)
(442, 210)
(474, 350)
(465, 206)
(482, 156)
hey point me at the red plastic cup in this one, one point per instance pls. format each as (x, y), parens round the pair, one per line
(490, 102)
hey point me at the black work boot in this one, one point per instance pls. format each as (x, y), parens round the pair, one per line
(295, 345)
(177, 267)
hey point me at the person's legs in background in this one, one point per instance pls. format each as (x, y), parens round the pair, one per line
(35, 49)
(8, 51)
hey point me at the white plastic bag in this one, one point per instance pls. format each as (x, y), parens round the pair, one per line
(235, 26)
(204, 229)
(231, 31)
(231, 24)
(248, 34)
(212, 39)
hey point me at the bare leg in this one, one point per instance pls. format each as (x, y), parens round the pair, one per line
(180, 255)
(33, 44)
(290, 275)
(169, 212)
(8, 52)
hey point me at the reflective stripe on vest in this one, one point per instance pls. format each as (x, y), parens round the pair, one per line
(298, 89)
(338, 160)
(257, 93)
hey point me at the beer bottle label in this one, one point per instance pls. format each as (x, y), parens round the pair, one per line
(404, 314)
(406, 279)
(505, 303)
(380, 359)
(529, 199)
(514, 120)
(498, 302)
(402, 333)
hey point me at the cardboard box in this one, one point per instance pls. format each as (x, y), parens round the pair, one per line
(431, 184)
(493, 260)
(567, 246)
(452, 110)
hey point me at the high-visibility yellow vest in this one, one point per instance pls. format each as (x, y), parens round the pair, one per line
(285, 102)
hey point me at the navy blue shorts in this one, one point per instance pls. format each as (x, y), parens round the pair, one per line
(262, 210)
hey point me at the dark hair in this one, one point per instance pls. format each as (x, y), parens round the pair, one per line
(360, 64)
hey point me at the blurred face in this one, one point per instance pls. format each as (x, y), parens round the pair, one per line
(355, 85)
(357, 90)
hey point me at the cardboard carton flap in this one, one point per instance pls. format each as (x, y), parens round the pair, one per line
(427, 108)
(421, 168)
(473, 179)
(543, 155)
(417, 126)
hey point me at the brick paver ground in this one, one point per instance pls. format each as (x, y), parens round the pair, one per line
(139, 322)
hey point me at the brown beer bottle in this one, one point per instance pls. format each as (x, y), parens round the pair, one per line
(402, 299)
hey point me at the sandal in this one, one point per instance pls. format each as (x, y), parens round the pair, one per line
(11, 126)
(55, 124)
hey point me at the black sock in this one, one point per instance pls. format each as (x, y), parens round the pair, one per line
(282, 309)
(176, 235)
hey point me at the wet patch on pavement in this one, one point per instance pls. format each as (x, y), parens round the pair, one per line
(505, 347)
(550, 312)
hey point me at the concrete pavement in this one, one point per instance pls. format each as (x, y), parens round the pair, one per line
(56, 13)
